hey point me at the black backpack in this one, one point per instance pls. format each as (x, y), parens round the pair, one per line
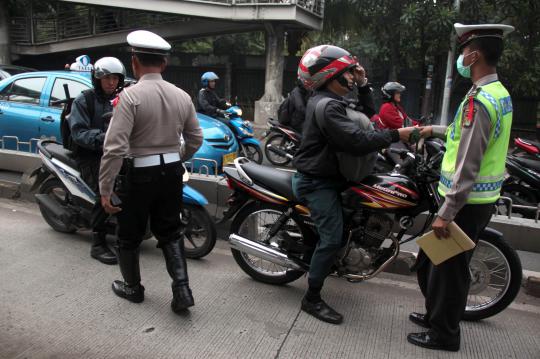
(283, 114)
(65, 129)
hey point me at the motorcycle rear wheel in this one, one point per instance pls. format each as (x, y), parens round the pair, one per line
(496, 275)
(277, 140)
(55, 189)
(258, 217)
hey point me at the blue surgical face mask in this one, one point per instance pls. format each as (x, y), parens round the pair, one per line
(464, 71)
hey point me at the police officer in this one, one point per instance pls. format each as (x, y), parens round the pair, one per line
(208, 101)
(147, 123)
(330, 72)
(471, 177)
(88, 129)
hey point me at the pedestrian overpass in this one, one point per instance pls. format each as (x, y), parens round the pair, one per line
(101, 23)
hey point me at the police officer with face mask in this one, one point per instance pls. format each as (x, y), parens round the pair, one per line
(144, 136)
(88, 129)
(472, 174)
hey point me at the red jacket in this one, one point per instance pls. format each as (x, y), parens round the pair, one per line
(392, 116)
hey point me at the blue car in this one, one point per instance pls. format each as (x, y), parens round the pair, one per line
(27, 114)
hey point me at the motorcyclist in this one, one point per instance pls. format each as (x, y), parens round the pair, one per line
(292, 110)
(328, 71)
(88, 129)
(391, 113)
(208, 101)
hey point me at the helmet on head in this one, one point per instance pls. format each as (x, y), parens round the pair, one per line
(323, 63)
(391, 88)
(208, 76)
(108, 66)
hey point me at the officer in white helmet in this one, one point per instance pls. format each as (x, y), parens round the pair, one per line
(143, 138)
(88, 127)
(472, 173)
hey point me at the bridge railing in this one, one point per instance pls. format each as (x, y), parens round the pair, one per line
(70, 22)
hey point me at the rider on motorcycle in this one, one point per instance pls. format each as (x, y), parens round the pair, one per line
(391, 113)
(208, 101)
(88, 134)
(329, 72)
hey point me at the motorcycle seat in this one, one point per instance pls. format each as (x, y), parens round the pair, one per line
(276, 180)
(531, 163)
(61, 154)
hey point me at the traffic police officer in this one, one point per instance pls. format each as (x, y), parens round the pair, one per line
(471, 178)
(144, 139)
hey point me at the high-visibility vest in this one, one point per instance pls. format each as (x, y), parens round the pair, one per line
(487, 185)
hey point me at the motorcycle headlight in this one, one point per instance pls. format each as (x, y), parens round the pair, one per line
(246, 132)
(247, 124)
(238, 112)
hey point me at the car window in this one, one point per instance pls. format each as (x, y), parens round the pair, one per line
(27, 90)
(58, 93)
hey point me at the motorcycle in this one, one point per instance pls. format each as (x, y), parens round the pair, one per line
(522, 185)
(524, 146)
(282, 142)
(250, 147)
(67, 203)
(272, 235)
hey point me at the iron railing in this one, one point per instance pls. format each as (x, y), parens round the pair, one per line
(71, 22)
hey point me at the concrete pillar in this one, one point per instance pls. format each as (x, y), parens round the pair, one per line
(268, 104)
(5, 57)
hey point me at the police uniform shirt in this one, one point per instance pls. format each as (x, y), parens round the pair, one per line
(148, 119)
(472, 146)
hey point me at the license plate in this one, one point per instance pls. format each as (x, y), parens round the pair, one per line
(229, 158)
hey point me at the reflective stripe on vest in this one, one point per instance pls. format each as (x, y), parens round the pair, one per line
(488, 183)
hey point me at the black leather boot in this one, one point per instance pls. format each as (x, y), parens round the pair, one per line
(175, 260)
(100, 250)
(131, 288)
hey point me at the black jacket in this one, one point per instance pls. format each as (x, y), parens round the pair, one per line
(317, 153)
(296, 109)
(208, 102)
(87, 132)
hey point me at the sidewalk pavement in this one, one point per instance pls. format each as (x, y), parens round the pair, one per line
(57, 303)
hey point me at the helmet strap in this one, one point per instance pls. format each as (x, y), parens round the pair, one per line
(343, 82)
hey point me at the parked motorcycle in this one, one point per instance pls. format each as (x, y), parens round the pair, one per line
(273, 237)
(523, 146)
(282, 142)
(67, 203)
(522, 185)
(250, 147)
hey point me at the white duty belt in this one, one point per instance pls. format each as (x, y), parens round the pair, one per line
(155, 160)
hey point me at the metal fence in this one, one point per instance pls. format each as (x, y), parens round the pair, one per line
(70, 21)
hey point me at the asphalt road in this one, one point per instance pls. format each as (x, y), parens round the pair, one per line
(56, 302)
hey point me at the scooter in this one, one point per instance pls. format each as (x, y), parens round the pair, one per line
(68, 204)
(250, 147)
(522, 185)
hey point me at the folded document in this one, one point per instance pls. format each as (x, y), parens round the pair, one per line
(439, 250)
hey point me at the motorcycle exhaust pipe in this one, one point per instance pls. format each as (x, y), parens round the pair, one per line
(256, 249)
(52, 206)
(280, 152)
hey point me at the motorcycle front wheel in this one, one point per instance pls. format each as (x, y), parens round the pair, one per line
(199, 233)
(254, 222)
(496, 275)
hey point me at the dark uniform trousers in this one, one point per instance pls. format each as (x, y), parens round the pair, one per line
(446, 286)
(150, 193)
(89, 168)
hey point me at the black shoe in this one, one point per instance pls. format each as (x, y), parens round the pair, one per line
(430, 341)
(419, 319)
(322, 311)
(182, 299)
(103, 254)
(134, 293)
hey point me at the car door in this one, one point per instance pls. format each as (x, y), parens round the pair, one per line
(50, 126)
(20, 111)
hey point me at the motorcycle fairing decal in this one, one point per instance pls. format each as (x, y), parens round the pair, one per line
(289, 132)
(71, 179)
(262, 194)
(302, 209)
(411, 193)
(380, 199)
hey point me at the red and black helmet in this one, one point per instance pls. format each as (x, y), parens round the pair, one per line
(323, 63)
